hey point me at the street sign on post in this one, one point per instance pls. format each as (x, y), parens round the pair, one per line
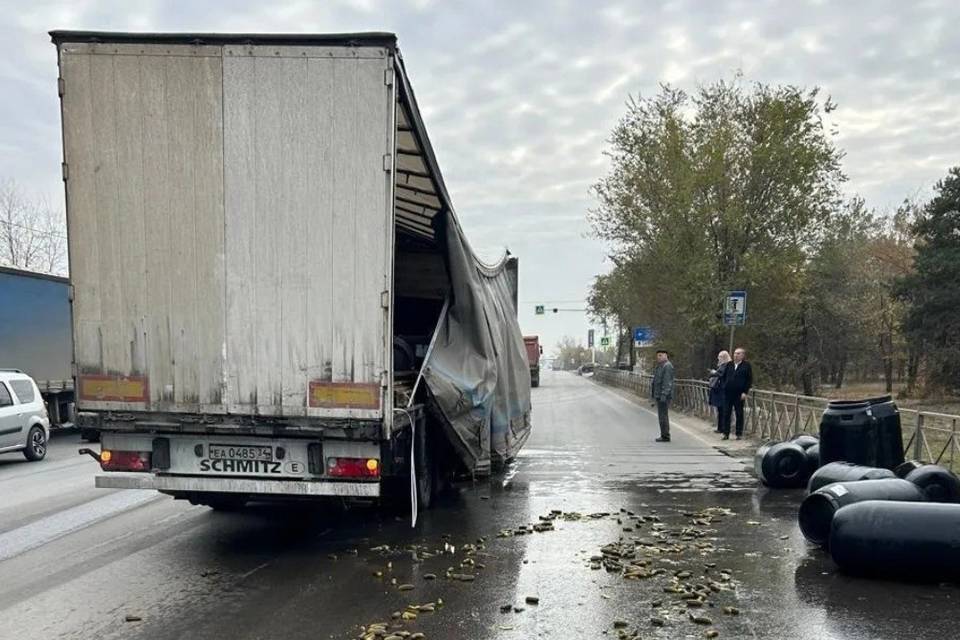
(735, 308)
(590, 339)
(643, 336)
(539, 309)
(605, 341)
(734, 312)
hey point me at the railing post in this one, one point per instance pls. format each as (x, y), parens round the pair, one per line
(953, 440)
(771, 415)
(753, 409)
(917, 437)
(796, 415)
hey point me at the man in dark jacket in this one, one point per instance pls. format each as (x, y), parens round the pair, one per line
(737, 381)
(662, 391)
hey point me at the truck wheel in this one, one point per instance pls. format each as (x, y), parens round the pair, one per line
(535, 382)
(216, 501)
(36, 445)
(90, 435)
(225, 504)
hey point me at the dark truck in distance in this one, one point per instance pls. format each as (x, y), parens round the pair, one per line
(284, 305)
(35, 336)
(534, 351)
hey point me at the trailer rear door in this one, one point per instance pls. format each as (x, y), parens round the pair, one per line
(230, 225)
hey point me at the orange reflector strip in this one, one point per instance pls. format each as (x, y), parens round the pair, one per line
(97, 388)
(343, 395)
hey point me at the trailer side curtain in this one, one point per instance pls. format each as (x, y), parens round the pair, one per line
(478, 374)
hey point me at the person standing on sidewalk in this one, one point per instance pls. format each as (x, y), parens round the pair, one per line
(737, 381)
(662, 392)
(717, 398)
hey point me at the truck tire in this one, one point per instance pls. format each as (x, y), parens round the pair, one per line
(219, 501)
(535, 381)
(226, 504)
(90, 435)
(36, 445)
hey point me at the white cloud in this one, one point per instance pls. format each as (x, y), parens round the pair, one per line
(520, 97)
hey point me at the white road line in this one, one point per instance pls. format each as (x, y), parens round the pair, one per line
(46, 530)
(246, 575)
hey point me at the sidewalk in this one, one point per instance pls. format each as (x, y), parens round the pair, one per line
(743, 449)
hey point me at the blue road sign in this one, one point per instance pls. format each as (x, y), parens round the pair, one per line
(735, 308)
(643, 336)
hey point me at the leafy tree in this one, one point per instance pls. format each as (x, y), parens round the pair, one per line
(835, 297)
(729, 187)
(932, 292)
(571, 353)
(889, 258)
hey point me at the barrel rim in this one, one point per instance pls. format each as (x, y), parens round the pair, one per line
(862, 403)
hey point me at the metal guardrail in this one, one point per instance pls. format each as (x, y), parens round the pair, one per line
(774, 415)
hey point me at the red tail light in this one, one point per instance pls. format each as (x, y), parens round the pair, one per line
(124, 460)
(353, 467)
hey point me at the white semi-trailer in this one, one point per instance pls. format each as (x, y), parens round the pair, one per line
(271, 295)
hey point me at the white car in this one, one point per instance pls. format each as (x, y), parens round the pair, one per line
(24, 424)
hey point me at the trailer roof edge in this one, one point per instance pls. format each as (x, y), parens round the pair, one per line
(361, 39)
(14, 271)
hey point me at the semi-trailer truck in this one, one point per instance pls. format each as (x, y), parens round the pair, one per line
(534, 351)
(35, 336)
(272, 295)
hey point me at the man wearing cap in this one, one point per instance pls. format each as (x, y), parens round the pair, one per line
(662, 392)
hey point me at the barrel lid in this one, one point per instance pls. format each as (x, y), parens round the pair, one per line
(859, 404)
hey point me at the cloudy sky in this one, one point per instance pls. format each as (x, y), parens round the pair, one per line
(519, 97)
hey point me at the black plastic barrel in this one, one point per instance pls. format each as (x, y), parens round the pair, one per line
(863, 432)
(813, 457)
(844, 472)
(939, 484)
(903, 470)
(817, 509)
(782, 465)
(916, 540)
(805, 440)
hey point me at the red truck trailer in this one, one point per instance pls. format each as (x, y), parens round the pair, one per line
(534, 350)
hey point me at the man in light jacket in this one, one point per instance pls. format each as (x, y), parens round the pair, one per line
(662, 392)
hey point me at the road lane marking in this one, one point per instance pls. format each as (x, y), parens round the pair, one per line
(246, 575)
(50, 528)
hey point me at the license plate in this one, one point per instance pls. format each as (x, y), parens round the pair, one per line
(240, 452)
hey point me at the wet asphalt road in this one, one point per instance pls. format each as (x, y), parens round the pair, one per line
(75, 561)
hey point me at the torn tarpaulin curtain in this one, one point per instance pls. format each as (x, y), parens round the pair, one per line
(478, 373)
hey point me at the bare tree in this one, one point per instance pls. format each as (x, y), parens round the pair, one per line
(32, 233)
